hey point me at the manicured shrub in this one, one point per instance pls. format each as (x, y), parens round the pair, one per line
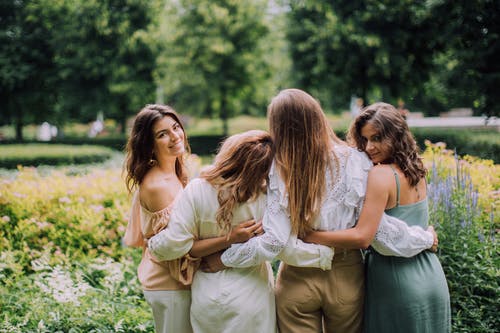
(14, 155)
(480, 143)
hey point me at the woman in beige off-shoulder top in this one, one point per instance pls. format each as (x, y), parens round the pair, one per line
(156, 174)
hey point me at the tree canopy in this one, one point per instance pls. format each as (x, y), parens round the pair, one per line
(68, 60)
(213, 58)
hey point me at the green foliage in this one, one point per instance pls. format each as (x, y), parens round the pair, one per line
(67, 216)
(467, 71)
(25, 65)
(100, 295)
(372, 49)
(483, 144)
(213, 64)
(63, 267)
(70, 59)
(12, 156)
(467, 229)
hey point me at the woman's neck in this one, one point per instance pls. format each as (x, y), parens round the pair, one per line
(167, 166)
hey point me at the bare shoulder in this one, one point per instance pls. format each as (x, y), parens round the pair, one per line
(381, 175)
(157, 193)
(381, 171)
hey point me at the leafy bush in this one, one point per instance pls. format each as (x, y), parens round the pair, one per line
(78, 216)
(63, 267)
(49, 154)
(463, 196)
(480, 143)
(99, 295)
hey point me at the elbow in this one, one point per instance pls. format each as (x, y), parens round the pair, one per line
(363, 241)
(364, 244)
(155, 253)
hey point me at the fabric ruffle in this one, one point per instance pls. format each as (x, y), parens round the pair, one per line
(357, 167)
(277, 184)
(159, 221)
(133, 234)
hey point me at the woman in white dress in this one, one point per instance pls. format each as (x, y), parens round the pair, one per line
(203, 222)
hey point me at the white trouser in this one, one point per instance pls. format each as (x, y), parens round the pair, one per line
(170, 310)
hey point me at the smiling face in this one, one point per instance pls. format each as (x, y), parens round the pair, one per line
(377, 148)
(169, 138)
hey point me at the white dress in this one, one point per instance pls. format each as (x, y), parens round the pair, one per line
(340, 210)
(232, 300)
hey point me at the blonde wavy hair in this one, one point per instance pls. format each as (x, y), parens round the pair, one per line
(239, 172)
(303, 143)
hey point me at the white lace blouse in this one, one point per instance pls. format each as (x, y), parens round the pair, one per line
(340, 210)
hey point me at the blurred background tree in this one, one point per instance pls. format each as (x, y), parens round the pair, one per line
(69, 60)
(467, 70)
(212, 62)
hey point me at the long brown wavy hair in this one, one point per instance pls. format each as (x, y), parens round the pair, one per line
(395, 133)
(303, 142)
(139, 149)
(240, 172)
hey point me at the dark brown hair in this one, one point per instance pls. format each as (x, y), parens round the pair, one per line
(139, 149)
(395, 133)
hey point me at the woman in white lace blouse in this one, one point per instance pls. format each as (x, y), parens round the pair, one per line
(316, 182)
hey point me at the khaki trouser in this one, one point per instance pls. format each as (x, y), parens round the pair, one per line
(310, 300)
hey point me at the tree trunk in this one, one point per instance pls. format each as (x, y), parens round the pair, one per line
(364, 85)
(19, 123)
(123, 116)
(224, 114)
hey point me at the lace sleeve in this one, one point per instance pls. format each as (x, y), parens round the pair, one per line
(277, 239)
(300, 254)
(395, 238)
(266, 247)
(277, 230)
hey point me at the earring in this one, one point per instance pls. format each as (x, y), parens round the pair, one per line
(152, 162)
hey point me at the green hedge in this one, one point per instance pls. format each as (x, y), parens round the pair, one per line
(51, 154)
(200, 144)
(483, 144)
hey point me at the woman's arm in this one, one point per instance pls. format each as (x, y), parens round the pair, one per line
(361, 236)
(277, 237)
(387, 234)
(239, 234)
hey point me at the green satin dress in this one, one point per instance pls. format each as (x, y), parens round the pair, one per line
(407, 295)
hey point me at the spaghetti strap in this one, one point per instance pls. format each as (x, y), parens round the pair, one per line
(396, 176)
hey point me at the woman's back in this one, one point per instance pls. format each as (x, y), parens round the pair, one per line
(413, 290)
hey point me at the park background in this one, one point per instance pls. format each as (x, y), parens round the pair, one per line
(73, 73)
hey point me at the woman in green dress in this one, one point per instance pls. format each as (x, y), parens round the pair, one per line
(402, 294)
